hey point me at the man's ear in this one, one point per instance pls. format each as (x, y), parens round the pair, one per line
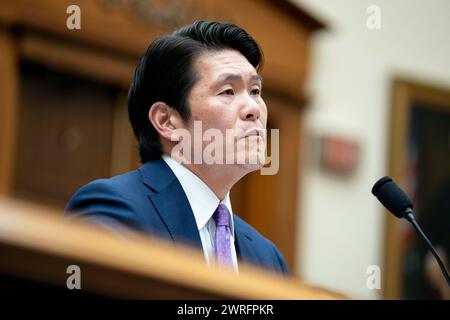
(165, 120)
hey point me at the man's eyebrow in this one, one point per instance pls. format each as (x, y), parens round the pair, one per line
(232, 76)
(256, 77)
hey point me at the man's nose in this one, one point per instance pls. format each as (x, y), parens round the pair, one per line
(251, 110)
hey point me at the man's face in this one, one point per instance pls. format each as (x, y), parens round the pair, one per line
(227, 95)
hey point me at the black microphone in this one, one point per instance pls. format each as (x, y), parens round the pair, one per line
(397, 202)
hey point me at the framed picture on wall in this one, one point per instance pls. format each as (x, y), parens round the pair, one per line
(419, 160)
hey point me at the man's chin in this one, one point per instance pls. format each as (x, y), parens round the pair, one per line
(252, 163)
(252, 167)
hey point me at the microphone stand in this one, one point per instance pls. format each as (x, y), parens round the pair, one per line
(410, 217)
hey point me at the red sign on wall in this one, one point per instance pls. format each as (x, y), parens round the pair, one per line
(338, 154)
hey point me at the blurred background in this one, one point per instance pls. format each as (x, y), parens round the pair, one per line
(359, 89)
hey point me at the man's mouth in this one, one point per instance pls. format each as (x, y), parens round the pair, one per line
(252, 133)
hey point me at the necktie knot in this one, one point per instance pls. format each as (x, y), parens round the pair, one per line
(222, 216)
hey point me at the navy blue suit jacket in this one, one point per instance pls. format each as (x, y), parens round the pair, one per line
(152, 200)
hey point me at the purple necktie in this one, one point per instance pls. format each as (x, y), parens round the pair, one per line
(222, 247)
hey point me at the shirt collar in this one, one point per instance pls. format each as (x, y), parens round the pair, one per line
(202, 199)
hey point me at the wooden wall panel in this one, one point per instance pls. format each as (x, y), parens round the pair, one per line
(8, 110)
(65, 133)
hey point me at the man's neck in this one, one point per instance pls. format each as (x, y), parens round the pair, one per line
(220, 178)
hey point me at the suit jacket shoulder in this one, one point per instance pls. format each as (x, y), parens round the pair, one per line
(116, 203)
(152, 200)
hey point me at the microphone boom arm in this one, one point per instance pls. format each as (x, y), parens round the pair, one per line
(410, 217)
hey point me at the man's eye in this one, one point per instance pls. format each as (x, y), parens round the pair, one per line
(256, 92)
(228, 92)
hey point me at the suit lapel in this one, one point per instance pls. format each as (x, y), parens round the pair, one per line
(171, 202)
(174, 209)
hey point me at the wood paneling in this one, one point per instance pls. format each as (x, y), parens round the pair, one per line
(65, 133)
(8, 110)
(90, 62)
(124, 146)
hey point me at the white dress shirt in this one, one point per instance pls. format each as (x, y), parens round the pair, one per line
(203, 203)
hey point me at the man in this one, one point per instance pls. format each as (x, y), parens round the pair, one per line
(204, 73)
